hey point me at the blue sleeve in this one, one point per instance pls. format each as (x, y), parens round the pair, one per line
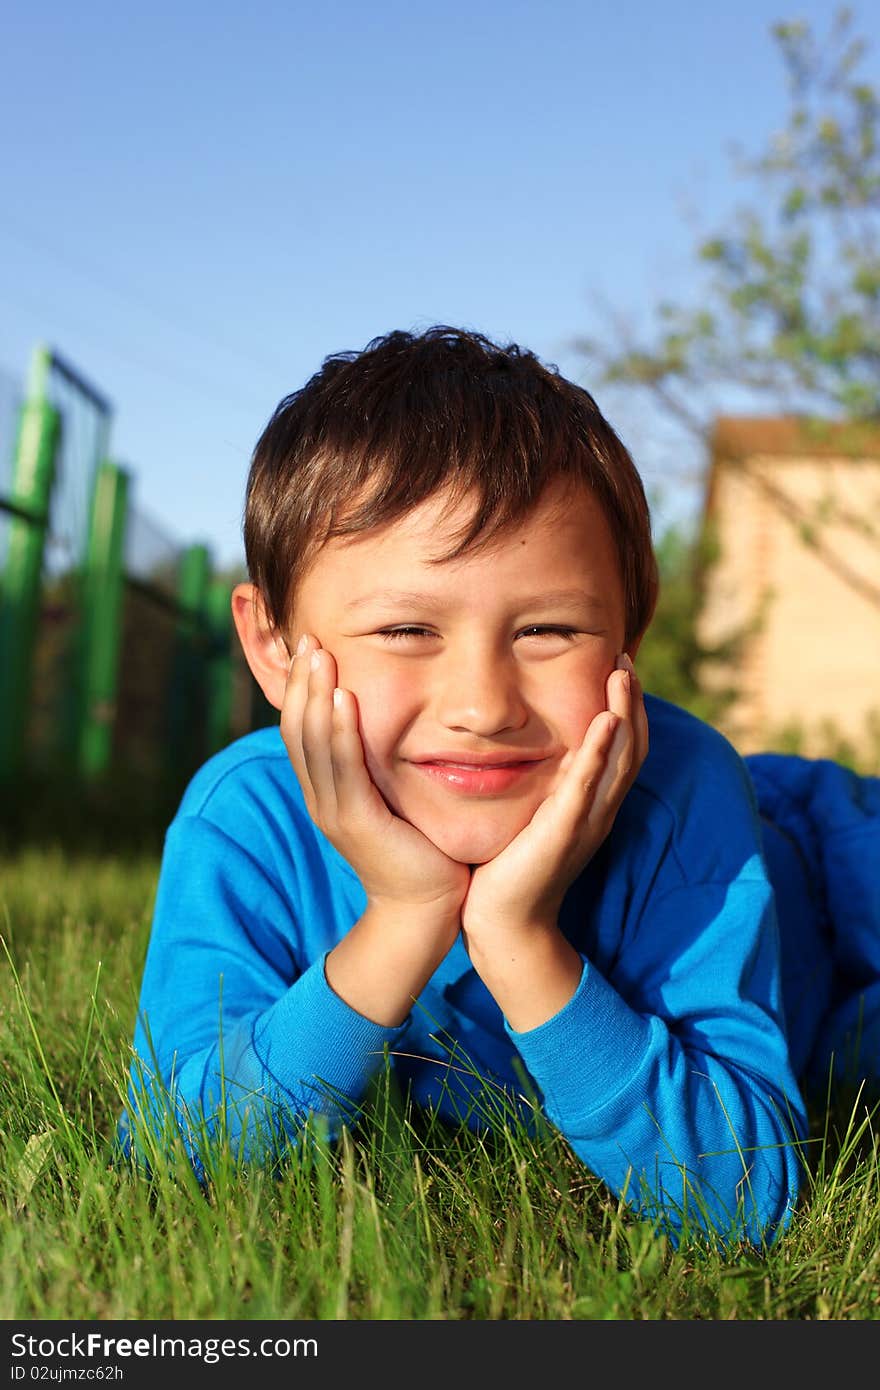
(672, 1079)
(236, 1027)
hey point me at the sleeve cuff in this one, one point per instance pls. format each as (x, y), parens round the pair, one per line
(314, 1038)
(587, 1052)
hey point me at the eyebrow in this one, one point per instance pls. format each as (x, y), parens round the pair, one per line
(568, 598)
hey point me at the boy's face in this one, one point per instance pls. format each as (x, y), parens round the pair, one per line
(473, 677)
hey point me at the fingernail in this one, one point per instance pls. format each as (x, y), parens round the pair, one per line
(623, 663)
(337, 698)
(315, 661)
(302, 644)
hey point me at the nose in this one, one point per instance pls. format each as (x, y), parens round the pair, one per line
(478, 692)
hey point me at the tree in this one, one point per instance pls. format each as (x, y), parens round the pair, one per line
(790, 309)
(788, 312)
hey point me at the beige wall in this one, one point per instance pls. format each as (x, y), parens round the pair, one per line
(817, 657)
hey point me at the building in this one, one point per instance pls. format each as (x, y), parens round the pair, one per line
(792, 511)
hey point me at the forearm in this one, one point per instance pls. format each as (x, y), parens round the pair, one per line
(668, 1122)
(531, 971)
(384, 962)
(260, 1073)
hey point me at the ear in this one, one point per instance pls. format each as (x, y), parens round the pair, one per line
(263, 645)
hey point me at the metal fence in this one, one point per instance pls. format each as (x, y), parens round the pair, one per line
(117, 652)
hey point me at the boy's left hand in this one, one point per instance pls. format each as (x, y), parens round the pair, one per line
(522, 888)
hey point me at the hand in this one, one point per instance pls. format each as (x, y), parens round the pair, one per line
(522, 887)
(398, 866)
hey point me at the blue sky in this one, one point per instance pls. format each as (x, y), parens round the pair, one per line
(200, 202)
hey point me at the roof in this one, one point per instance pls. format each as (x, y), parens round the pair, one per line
(737, 436)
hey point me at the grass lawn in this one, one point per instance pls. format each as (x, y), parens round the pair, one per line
(404, 1219)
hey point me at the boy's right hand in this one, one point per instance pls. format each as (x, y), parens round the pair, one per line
(400, 868)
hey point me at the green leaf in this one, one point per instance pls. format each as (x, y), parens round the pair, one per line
(31, 1164)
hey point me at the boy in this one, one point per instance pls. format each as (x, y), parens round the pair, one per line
(457, 844)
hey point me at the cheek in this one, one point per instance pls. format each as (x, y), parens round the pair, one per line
(570, 706)
(387, 703)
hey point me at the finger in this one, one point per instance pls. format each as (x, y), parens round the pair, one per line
(294, 702)
(317, 729)
(631, 743)
(637, 714)
(626, 697)
(622, 693)
(617, 774)
(577, 790)
(355, 789)
(619, 689)
(640, 725)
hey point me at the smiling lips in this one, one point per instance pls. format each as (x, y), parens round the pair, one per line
(477, 777)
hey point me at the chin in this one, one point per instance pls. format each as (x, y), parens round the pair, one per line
(474, 843)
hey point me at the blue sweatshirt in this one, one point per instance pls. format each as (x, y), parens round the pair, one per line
(670, 1072)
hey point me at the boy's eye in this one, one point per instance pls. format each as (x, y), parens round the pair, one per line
(390, 633)
(536, 630)
(542, 629)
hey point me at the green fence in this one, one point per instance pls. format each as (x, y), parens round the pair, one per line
(118, 659)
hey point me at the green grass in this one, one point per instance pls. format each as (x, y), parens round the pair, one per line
(405, 1219)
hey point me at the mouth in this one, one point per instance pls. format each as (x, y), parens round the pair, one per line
(477, 778)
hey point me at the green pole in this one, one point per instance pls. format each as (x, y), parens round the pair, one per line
(36, 450)
(221, 671)
(187, 732)
(102, 619)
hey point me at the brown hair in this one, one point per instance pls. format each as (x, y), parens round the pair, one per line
(374, 433)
